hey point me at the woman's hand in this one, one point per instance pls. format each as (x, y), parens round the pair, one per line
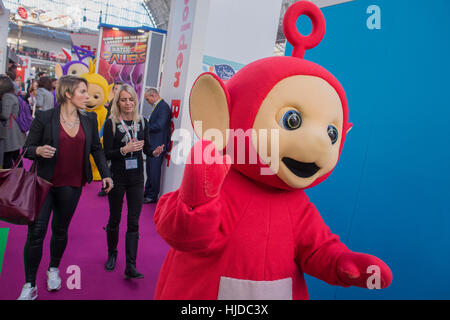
(158, 150)
(107, 184)
(46, 151)
(133, 146)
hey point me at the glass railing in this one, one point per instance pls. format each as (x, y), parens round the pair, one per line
(38, 54)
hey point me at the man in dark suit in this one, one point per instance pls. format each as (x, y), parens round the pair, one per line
(159, 134)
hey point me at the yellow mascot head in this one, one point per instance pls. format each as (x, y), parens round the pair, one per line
(98, 88)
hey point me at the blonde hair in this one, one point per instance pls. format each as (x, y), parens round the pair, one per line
(115, 109)
(67, 84)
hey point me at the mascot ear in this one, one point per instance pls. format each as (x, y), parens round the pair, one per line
(58, 70)
(92, 65)
(110, 92)
(209, 104)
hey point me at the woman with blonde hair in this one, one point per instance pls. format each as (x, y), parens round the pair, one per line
(125, 137)
(60, 142)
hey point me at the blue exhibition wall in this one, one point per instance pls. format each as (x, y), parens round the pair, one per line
(390, 193)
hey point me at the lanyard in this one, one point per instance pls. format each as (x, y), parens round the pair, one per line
(125, 127)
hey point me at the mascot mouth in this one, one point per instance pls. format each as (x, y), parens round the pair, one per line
(301, 169)
(90, 107)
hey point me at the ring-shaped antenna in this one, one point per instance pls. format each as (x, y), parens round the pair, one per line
(300, 42)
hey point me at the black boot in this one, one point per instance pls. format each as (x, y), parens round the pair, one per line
(112, 237)
(131, 246)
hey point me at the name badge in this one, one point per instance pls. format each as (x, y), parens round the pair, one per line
(131, 163)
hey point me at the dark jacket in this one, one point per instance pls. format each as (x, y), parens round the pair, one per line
(113, 143)
(159, 126)
(45, 130)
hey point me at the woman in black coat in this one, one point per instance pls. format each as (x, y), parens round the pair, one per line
(125, 138)
(60, 141)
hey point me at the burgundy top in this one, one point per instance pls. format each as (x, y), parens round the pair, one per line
(69, 164)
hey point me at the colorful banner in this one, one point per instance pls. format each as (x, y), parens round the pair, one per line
(123, 56)
(49, 18)
(3, 238)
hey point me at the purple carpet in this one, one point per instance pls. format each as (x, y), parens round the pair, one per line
(87, 250)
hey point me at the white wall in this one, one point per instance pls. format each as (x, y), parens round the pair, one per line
(242, 30)
(4, 17)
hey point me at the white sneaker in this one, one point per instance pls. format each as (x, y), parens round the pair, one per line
(28, 292)
(53, 279)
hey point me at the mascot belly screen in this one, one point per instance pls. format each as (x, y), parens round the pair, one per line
(241, 226)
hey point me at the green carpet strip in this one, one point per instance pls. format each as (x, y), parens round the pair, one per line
(3, 238)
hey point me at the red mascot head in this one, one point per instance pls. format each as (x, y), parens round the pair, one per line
(283, 120)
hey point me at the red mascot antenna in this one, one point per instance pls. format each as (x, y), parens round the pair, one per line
(300, 42)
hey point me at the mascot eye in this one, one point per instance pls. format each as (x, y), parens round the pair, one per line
(333, 133)
(291, 120)
(96, 96)
(74, 71)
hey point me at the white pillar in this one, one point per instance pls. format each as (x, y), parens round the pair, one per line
(4, 20)
(234, 31)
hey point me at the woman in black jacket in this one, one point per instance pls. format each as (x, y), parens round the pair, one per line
(125, 136)
(60, 141)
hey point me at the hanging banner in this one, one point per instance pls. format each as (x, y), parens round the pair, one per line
(123, 56)
(49, 17)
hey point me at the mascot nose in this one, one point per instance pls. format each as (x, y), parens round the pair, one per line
(317, 143)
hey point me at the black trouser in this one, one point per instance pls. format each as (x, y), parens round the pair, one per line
(63, 201)
(153, 169)
(134, 193)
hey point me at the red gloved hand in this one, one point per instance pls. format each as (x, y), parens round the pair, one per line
(363, 270)
(204, 174)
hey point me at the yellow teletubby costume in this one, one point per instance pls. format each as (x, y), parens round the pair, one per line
(98, 89)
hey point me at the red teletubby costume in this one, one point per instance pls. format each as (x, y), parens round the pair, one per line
(236, 231)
